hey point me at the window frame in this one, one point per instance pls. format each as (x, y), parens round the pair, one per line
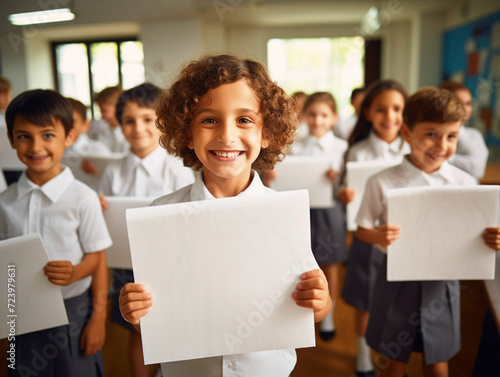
(87, 43)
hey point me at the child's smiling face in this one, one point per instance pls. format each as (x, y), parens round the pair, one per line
(139, 129)
(41, 148)
(227, 134)
(386, 114)
(431, 143)
(320, 118)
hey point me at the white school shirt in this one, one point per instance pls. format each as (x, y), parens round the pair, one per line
(373, 210)
(374, 148)
(65, 212)
(156, 174)
(74, 155)
(113, 138)
(328, 146)
(472, 152)
(277, 363)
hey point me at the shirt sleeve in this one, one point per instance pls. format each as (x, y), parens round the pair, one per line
(372, 205)
(93, 232)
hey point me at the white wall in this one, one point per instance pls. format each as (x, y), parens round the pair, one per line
(396, 39)
(39, 64)
(168, 46)
(431, 49)
(14, 62)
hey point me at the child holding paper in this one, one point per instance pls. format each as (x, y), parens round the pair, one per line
(375, 138)
(472, 152)
(225, 117)
(431, 121)
(48, 200)
(146, 171)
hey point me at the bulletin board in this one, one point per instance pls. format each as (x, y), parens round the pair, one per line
(472, 56)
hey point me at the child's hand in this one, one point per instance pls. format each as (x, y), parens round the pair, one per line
(388, 234)
(346, 195)
(93, 336)
(331, 174)
(104, 203)
(135, 302)
(491, 237)
(268, 176)
(312, 292)
(61, 272)
(88, 167)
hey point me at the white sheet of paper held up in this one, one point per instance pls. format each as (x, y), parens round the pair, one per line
(441, 231)
(118, 255)
(29, 301)
(305, 172)
(222, 273)
(357, 174)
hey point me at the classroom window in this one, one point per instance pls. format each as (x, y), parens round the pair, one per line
(334, 65)
(85, 68)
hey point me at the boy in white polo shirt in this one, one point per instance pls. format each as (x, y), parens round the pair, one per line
(48, 200)
(432, 120)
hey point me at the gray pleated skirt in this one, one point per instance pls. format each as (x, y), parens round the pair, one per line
(56, 352)
(328, 235)
(363, 263)
(401, 312)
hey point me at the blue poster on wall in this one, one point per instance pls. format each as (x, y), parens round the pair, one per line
(472, 57)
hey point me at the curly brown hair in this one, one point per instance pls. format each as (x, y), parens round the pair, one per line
(430, 104)
(178, 106)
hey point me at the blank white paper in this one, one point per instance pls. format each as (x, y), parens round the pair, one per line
(222, 273)
(305, 172)
(357, 174)
(118, 255)
(441, 231)
(38, 303)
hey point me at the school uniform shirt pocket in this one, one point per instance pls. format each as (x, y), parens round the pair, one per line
(60, 238)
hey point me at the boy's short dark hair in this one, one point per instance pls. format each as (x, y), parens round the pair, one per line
(145, 95)
(39, 107)
(432, 104)
(79, 107)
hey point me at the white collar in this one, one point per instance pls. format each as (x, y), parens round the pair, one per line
(52, 189)
(200, 192)
(325, 142)
(150, 163)
(444, 171)
(381, 146)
